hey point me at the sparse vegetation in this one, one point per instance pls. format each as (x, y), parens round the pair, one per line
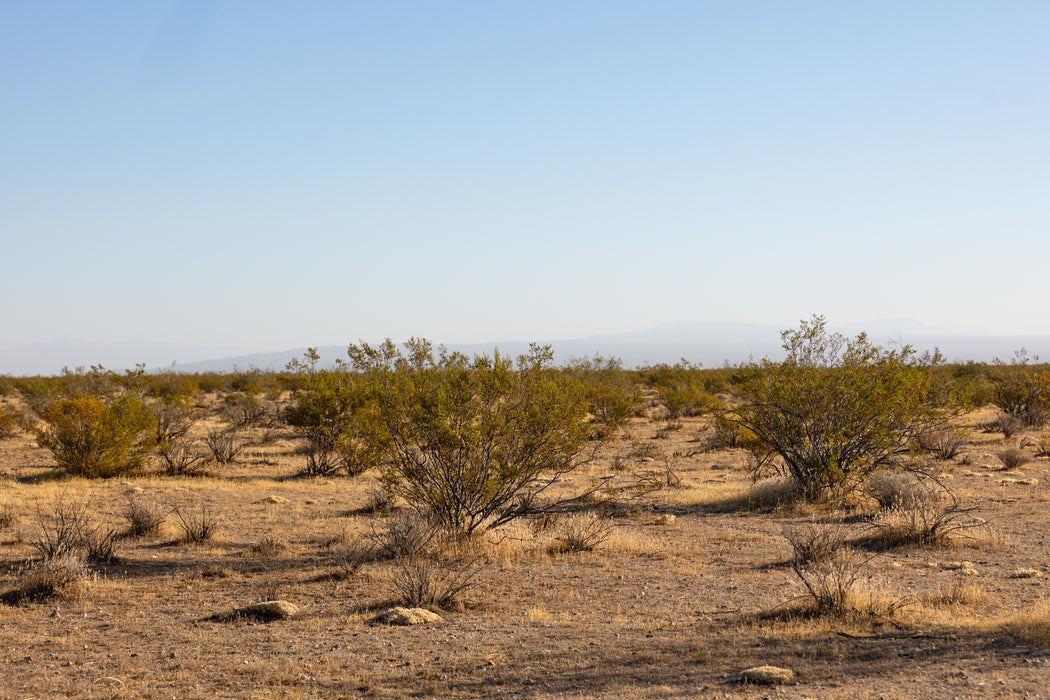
(693, 567)
(100, 427)
(333, 409)
(834, 410)
(196, 527)
(475, 443)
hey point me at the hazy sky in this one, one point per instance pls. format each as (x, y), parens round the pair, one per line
(277, 174)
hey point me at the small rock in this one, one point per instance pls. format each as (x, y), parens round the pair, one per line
(767, 675)
(406, 616)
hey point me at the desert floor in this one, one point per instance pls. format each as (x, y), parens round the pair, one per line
(664, 607)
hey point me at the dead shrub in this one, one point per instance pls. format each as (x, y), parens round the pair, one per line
(426, 582)
(407, 536)
(944, 443)
(224, 445)
(197, 527)
(581, 533)
(58, 577)
(1013, 458)
(100, 545)
(144, 516)
(351, 556)
(1005, 423)
(62, 528)
(180, 458)
(816, 543)
(829, 584)
(380, 502)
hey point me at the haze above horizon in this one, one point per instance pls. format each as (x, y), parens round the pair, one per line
(274, 175)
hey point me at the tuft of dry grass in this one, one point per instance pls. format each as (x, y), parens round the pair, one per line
(1013, 458)
(815, 543)
(144, 516)
(56, 577)
(958, 593)
(197, 527)
(582, 532)
(1032, 626)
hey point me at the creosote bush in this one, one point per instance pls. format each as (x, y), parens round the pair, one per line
(474, 442)
(1021, 392)
(336, 412)
(612, 393)
(681, 388)
(99, 426)
(834, 410)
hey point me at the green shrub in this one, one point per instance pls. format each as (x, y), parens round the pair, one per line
(474, 442)
(613, 394)
(1021, 391)
(681, 387)
(102, 428)
(835, 409)
(11, 421)
(336, 413)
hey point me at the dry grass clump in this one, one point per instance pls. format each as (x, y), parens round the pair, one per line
(922, 525)
(770, 494)
(915, 510)
(269, 546)
(1042, 445)
(893, 489)
(815, 543)
(767, 675)
(958, 593)
(8, 517)
(144, 516)
(945, 443)
(582, 532)
(435, 581)
(1032, 626)
(197, 527)
(56, 577)
(270, 610)
(405, 617)
(1013, 458)
(1026, 573)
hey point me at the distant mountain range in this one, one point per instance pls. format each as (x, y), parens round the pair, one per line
(709, 343)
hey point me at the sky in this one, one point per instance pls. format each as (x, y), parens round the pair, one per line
(270, 175)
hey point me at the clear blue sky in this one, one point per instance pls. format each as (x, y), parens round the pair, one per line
(277, 174)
